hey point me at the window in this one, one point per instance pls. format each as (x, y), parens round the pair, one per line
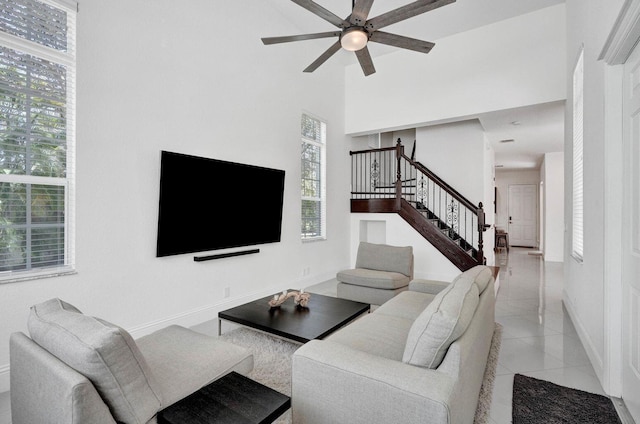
(314, 137)
(578, 200)
(37, 138)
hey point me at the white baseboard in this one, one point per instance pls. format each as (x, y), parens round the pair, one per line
(596, 360)
(202, 314)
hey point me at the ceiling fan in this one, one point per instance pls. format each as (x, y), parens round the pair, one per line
(356, 30)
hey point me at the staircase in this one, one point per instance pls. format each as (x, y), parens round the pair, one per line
(387, 181)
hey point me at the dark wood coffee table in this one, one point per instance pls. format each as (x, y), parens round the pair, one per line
(322, 316)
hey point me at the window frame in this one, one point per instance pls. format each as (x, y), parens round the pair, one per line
(322, 199)
(577, 113)
(67, 59)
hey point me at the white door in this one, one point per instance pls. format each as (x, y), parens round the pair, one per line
(523, 210)
(631, 237)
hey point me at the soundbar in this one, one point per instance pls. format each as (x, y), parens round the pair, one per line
(225, 255)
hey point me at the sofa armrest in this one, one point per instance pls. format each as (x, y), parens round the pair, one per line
(428, 286)
(328, 379)
(46, 390)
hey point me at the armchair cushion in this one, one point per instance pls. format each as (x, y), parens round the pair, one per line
(104, 353)
(385, 258)
(442, 322)
(183, 361)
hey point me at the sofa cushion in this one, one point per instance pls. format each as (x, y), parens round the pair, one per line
(102, 352)
(383, 257)
(407, 305)
(372, 278)
(379, 335)
(441, 323)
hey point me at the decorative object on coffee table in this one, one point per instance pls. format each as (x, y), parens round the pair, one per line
(300, 298)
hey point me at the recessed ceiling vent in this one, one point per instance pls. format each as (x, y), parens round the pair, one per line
(509, 140)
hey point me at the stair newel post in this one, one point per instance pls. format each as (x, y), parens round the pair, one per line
(399, 152)
(481, 229)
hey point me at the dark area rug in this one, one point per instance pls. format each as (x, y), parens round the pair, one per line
(542, 402)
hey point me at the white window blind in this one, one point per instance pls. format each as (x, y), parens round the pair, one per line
(37, 138)
(578, 133)
(314, 133)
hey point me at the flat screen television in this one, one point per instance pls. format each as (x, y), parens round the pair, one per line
(209, 204)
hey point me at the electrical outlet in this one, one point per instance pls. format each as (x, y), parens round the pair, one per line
(227, 292)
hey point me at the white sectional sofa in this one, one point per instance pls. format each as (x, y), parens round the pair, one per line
(419, 358)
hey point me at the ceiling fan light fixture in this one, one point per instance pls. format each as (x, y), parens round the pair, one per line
(354, 39)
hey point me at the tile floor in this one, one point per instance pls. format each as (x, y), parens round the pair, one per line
(539, 339)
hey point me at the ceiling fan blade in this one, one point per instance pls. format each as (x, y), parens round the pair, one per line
(365, 61)
(360, 12)
(401, 41)
(320, 11)
(323, 57)
(287, 39)
(405, 12)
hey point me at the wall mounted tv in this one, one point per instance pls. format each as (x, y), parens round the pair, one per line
(208, 204)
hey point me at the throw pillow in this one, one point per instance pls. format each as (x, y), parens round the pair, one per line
(104, 353)
(441, 323)
(479, 274)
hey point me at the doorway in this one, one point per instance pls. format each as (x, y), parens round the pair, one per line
(523, 212)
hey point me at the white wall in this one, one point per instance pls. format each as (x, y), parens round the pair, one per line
(390, 228)
(154, 75)
(552, 184)
(454, 152)
(515, 62)
(588, 25)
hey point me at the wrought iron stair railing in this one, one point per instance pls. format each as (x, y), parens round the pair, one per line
(386, 180)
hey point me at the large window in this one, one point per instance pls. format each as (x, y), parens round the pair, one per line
(578, 127)
(314, 136)
(37, 137)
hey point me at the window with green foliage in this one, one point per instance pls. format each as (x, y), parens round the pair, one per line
(37, 137)
(314, 136)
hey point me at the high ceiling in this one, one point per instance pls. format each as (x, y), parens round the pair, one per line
(535, 130)
(460, 16)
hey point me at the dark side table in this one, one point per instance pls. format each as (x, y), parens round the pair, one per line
(233, 398)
